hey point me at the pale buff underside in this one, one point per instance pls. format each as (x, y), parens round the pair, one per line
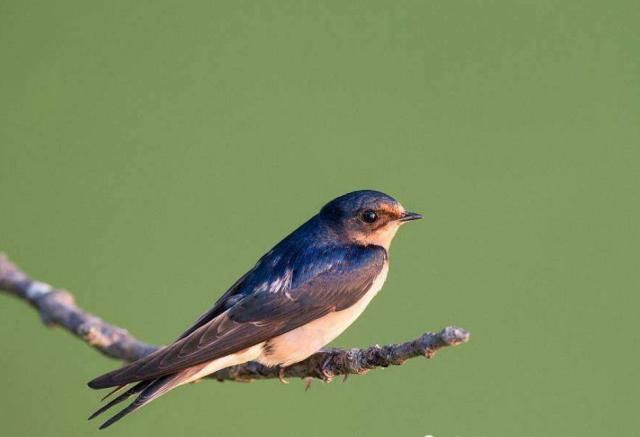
(295, 345)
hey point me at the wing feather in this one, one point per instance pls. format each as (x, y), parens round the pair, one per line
(260, 316)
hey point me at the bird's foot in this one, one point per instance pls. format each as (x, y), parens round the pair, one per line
(324, 372)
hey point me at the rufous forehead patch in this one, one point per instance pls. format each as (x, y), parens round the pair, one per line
(393, 209)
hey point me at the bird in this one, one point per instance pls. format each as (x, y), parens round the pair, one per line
(298, 297)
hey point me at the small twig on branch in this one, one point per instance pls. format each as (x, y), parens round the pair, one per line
(58, 307)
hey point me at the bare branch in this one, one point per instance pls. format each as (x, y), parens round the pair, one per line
(58, 307)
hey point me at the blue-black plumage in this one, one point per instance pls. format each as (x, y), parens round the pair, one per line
(298, 297)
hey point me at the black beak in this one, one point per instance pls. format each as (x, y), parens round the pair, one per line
(409, 216)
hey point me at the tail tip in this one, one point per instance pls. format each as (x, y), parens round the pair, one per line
(105, 425)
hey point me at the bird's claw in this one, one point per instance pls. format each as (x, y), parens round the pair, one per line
(324, 373)
(281, 375)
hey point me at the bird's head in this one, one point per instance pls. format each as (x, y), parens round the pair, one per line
(367, 217)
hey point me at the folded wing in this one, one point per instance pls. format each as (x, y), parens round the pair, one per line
(262, 315)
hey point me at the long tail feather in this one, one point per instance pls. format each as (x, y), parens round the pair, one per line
(153, 390)
(114, 391)
(123, 397)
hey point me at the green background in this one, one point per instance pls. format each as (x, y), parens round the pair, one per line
(151, 151)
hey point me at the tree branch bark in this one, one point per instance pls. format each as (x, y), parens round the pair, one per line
(57, 307)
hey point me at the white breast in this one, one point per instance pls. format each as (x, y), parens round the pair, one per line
(298, 344)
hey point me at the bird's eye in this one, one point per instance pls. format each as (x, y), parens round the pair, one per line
(369, 216)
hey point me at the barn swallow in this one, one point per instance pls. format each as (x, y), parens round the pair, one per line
(297, 298)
